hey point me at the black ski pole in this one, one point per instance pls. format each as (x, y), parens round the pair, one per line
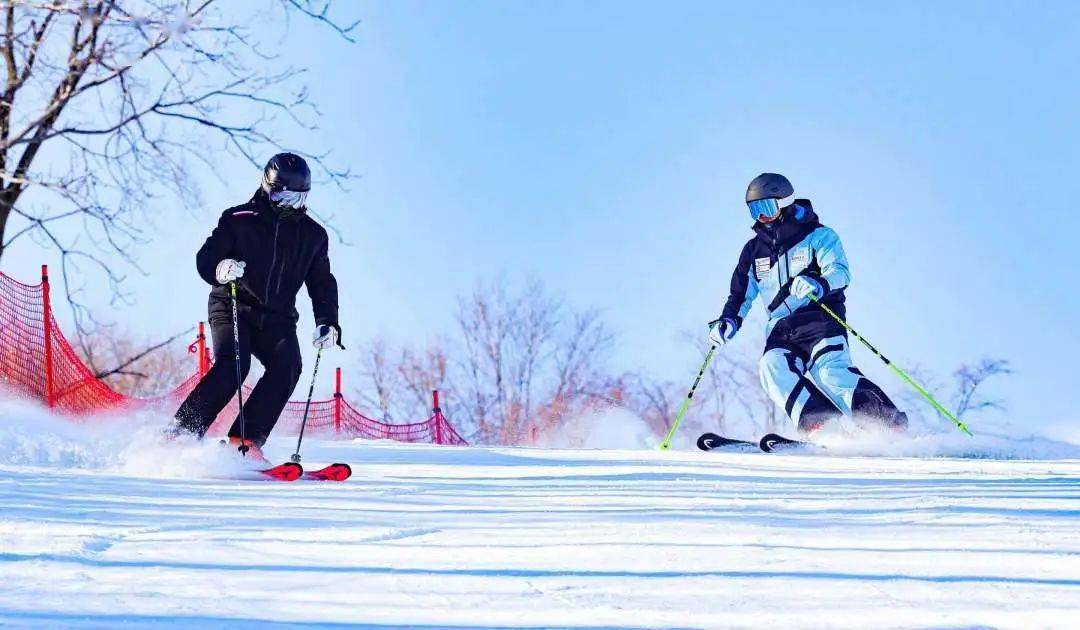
(307, 405)
(239, 376)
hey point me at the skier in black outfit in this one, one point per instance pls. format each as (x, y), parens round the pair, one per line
(269, 247)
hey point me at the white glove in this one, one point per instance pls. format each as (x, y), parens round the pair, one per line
(803, 287)
(229, 270)
(722, 331)
(326, 336)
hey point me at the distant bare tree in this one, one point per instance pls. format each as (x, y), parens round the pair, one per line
(519, 362)
(420, 373)
(911, 401)
(484, 322)
(738, 398)
(730, 399)
(379, 370)
(654, 401)
(107, 102)
(970, 379)
(139, 368)
(966, 392)
(520, 355)
(576, 355)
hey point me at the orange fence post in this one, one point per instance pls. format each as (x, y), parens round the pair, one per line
(47, 333)
(337, 402)
(437, 411)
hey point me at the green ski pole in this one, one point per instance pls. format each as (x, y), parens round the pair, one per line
(666, 444)
(902, 374)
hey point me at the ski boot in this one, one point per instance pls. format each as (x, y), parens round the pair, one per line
(247, 448)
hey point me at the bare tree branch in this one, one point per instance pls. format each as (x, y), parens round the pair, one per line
(135, 358)
(140, 369)
(105, 104)
(969, 381)
(520, 362)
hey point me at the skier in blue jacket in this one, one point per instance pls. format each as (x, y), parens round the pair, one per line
(806, 367)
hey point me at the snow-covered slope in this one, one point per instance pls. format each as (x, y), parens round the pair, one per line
(477, 537)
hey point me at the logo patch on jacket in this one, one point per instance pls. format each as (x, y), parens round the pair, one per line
(800, 260)
(761, 268)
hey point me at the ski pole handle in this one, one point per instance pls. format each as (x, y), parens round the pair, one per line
(666, 444)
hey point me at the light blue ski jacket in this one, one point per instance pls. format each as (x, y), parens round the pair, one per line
(797, 244)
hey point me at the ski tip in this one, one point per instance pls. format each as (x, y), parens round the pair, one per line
(333, 472)
(713, 442)
(708, 441)
(289, 471)
(773, 442)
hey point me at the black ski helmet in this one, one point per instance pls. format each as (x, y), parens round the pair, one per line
(769, 186)
(286, 171)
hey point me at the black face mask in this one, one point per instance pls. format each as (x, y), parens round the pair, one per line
(280, 211)
(285, 212)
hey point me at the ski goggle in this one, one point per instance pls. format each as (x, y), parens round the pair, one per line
(294, 199)
(764, 210)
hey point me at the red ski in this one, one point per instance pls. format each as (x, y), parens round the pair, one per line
(289, 471)
(333, 472)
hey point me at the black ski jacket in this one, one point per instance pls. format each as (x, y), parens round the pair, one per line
(282, 253)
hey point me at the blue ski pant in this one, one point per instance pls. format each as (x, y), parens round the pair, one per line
(807, 371)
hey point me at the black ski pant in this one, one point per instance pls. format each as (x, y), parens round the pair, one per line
(273, 342)
(807, 370)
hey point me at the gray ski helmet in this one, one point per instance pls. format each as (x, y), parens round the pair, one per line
(769, 186)
(286, 171)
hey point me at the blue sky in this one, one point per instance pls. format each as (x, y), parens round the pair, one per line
(604, 149)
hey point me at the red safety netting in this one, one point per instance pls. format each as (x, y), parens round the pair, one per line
(37, 362)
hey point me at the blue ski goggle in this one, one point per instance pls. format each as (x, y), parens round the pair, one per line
(768, 209)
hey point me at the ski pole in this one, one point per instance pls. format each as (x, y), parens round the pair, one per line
(666, 444)
(307, 405)
(239, 376)
(899, 372)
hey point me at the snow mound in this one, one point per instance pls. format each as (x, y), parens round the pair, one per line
(952, 444)
(612, 428)
(32, 436)
(135, 445)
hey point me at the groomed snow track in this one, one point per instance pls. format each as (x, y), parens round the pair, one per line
(474, 537)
